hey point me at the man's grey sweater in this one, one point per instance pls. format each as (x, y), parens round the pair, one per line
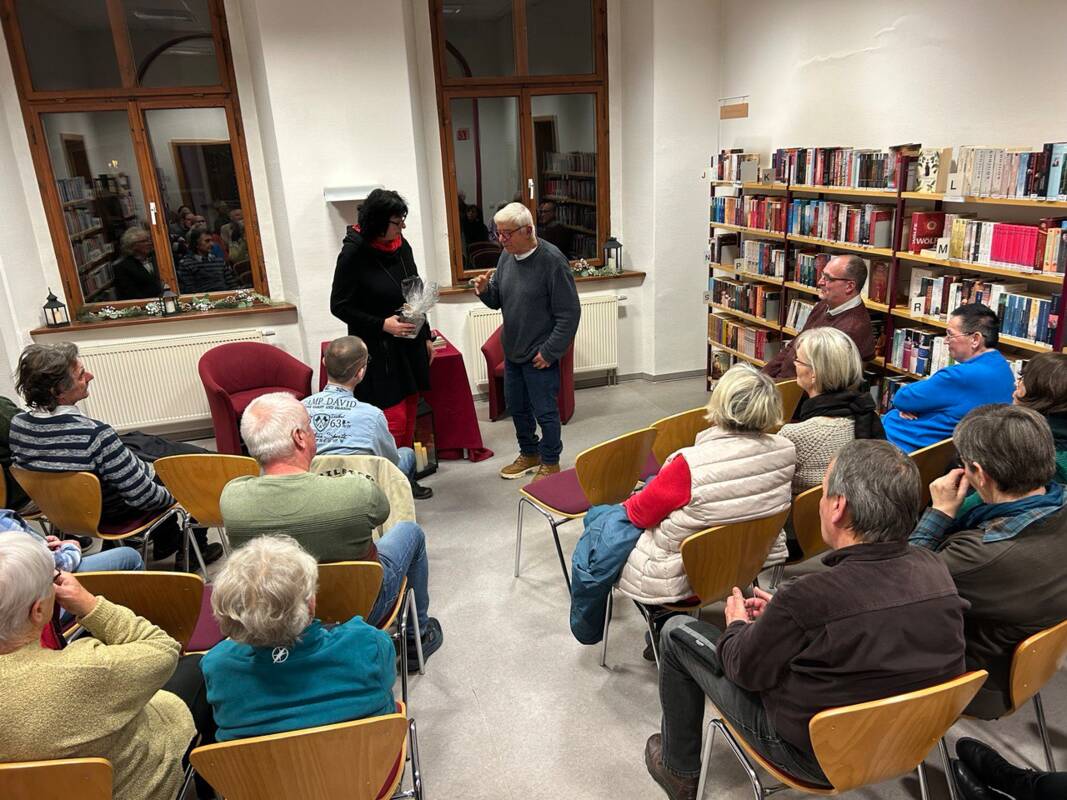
(539, 301)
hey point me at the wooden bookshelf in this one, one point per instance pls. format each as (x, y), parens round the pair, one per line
(768, 187)
(568, 173)
(726, 183)
(766, 323)
(1055, 279)
(846, 191)
(559, 198)
(1007, 341)
(899, 371)
(580, 229)
(883, 252)
(750, 231)
(790, 331)
(1024, 202)
(743, 356)
(874, 305)
(86, 232)
(801, 287)
(81, 201)
(756, 276)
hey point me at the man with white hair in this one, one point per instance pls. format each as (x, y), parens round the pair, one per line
(136, 275)
(533, 286)
(332, 517)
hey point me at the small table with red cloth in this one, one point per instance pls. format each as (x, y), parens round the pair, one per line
(455, 421)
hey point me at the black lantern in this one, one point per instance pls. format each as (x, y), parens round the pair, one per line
(168, 302)
(55, 312)
(613, 255)
(425, 444)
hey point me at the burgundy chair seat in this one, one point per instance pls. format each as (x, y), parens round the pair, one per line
(206, 634)
(561, 492)
(651, 468)
(117, 527)
(241, 400)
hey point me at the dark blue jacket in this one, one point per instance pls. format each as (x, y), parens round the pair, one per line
(598, 559)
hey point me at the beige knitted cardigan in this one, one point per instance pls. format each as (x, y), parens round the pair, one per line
(817, 441)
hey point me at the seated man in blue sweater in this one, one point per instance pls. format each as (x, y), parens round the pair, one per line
(928, 411)
(279, 669)
(345, 426)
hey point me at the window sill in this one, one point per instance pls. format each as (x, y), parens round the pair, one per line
(622, 276)
(278, 308)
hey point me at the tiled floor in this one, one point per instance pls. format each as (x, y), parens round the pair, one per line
(512, 706)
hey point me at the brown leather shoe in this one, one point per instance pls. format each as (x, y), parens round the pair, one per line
(676, 787)
(544, 471)
(523, 465)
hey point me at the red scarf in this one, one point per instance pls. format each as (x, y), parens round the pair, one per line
(386, 247)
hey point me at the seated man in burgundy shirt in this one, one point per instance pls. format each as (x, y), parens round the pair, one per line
(884, 619)
(840, 306)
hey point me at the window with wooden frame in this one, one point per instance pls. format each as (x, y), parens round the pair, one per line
(132, 115)
(522, 101)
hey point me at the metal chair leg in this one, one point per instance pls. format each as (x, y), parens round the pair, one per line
(950, 776)
(191, 539)
(559, 552)
(651, 631)
(1042, 728)
(607, 626)
(758, 792)
(518, 537)
(402, 639)
(554, 523)
(705, 758)
(924, 787)
(416, 769)
(418, 633)
(777, 571)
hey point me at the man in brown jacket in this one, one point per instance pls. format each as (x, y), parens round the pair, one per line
(1007, 554)
(840, 306)
(883, 620)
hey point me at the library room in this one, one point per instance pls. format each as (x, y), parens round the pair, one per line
(489, 399)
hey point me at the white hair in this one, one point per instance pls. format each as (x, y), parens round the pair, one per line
(130, 237)
(514, 214)
(268, 423)
(26, 571)
(261, 596)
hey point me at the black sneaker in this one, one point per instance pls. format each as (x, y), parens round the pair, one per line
(648, 654)
(992, 769)
(432, 639)
(420, 492)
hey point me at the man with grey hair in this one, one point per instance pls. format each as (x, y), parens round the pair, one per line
(345, 426)
(1006, 555)
(845, 635)
(136, 275)
(534, 289)
(840, 306)
(333, 517)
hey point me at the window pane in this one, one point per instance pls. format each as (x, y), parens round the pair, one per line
(560, 37)
(565, 149)
(488, 173)
(195, 171)
(479, 38)
(100, 189)
(68, 45)
(172, 44)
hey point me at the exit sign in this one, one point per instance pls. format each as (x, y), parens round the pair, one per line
(463, 134)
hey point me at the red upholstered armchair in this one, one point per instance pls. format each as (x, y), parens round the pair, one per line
(236, 374)
(493, 350)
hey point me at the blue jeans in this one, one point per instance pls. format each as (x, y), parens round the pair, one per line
(531, 395)
(406, 464)
(117, 558)
(402, 552)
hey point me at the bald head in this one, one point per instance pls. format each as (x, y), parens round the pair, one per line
(345, 359)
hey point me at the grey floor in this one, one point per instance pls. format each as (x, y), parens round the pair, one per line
(512, 706)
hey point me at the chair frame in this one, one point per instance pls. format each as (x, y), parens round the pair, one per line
(86, 520)
(791, 394)
(600, 481)
(823, 728)
(82, 778)
(808, 530)
(933, 462)
(1032, 665)
(678, 431)
(695, 551)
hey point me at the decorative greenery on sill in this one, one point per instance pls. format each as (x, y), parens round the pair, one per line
(242, 298)
(581, 269)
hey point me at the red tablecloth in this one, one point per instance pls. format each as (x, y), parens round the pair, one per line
(454, 418)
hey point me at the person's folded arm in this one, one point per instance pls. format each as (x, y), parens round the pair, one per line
(932, 529)
(755, 655)
(928, 395)
(670, 490)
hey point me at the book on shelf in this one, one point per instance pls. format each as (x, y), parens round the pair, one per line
(720, 362)
(876, 287)
(756, 299)
(735, 165)
(763, 258)
(842, 167)
(867, 224)
(1026, 248)
(890, 385)
(758, 343)
(808, 266)
(799, 311)
(1032, 317)
(570, 162)
(723, 248)
(932, 168)
(1010, 172)
(763, 213)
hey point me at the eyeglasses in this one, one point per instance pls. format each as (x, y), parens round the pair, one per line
(831, 278)
(802, 363)
(398, 222)
(504, 235)
(958, 335)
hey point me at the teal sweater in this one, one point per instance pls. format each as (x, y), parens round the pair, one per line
(328, 676)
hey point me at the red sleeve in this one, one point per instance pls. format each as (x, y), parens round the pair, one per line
(669, 490)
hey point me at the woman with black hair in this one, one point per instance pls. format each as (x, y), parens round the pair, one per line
(374, 269)
(201, 270)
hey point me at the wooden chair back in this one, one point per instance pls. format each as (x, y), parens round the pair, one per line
(62, 779)
(868, 743)
(1035, 662)
(718, 559)
(609, 471)
(790, 392)
(347, 589)
(349, 759)
(677, 431)
(933, 462)
(807, 526)
(71, 500)
(170, 600)
(197, 480)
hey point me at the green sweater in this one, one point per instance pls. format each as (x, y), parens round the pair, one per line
(333, 517)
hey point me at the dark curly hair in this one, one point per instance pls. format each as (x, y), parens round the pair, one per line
(44, 373)
(194, 236)
(380, 206)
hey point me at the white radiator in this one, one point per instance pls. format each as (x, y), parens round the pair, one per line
(146, 383)
(596, 346)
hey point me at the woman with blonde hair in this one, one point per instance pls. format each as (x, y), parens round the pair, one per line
(736, 471)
